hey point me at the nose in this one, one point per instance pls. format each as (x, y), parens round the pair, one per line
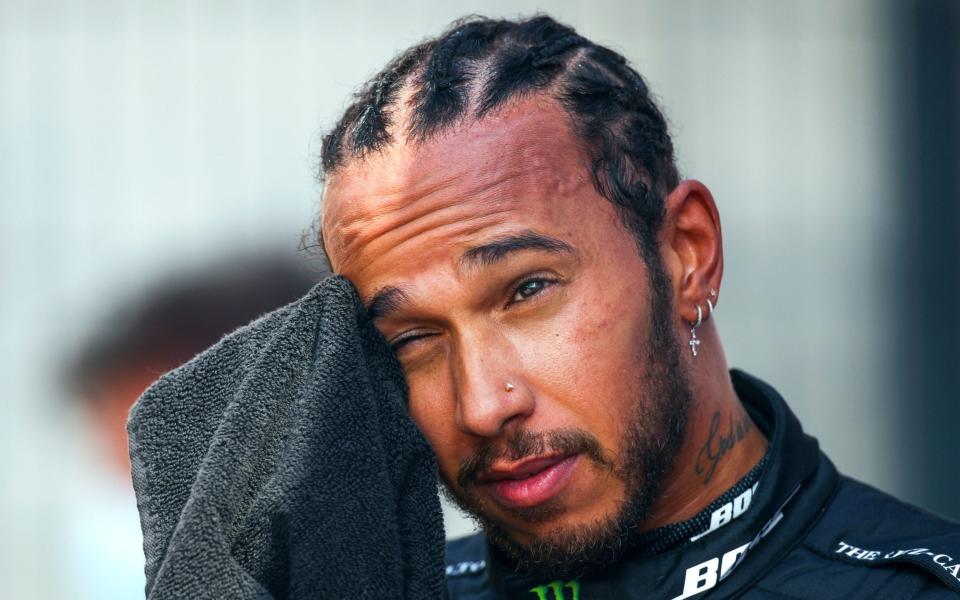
(490, 392)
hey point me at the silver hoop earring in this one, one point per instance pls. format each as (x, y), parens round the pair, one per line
(694, 342)
(709, 309)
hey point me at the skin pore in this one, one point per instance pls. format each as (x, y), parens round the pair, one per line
(487, 257)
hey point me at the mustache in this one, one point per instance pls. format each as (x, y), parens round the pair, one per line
(523, 444)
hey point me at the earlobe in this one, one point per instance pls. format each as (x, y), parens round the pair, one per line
(696, 246)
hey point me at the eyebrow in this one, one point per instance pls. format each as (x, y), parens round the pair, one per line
(387, 300)
(497, 250)
(390, 299)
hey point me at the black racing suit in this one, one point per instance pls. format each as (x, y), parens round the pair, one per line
(802, 531)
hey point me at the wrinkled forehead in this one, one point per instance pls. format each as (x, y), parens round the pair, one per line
(525, 150)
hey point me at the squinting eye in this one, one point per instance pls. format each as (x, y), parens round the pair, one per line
(528, 288)
(399, 343)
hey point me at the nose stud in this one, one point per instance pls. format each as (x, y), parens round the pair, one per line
(508, 387)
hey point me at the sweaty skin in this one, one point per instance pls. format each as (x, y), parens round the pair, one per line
(564, 326)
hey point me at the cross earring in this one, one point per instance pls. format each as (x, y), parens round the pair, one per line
(694, 342)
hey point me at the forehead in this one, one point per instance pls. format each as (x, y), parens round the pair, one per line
(516, 164)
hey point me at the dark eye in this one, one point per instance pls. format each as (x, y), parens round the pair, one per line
(530, 287)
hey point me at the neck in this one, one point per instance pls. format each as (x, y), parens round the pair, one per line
(721, 446)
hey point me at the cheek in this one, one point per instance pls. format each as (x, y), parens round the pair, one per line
(433, 412)
(589, 363)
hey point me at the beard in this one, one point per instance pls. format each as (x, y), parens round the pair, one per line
(654, 434)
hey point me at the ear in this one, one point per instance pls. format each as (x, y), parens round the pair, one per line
(692, 246)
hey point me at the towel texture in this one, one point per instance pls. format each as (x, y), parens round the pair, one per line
(282, 463)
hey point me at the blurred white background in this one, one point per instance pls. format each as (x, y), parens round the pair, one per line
(143, 139)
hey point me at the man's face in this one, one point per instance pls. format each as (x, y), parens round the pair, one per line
(521, 312)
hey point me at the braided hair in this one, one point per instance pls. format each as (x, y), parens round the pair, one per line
(480, 64)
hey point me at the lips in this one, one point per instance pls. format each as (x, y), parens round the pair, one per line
(530, 482)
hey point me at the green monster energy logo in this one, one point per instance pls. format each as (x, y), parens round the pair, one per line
(558, 587)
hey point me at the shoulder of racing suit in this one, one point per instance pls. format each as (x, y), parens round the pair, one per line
(869, 544)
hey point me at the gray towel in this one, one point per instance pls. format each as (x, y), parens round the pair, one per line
(282, 463)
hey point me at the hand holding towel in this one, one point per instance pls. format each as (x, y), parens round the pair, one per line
(282, 463)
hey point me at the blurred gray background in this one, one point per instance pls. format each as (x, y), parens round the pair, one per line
(141, 142)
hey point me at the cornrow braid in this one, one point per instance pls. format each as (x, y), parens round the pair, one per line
(480, 64)
(370, 130)
(442, 97)
(549, 53)
(626, 137)
(524, 69)
(367, 120)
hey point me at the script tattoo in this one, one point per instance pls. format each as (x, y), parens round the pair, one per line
(718, 444)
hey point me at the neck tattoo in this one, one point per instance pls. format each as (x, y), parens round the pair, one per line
(719, 443)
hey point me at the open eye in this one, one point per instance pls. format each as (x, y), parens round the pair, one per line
(529, 288)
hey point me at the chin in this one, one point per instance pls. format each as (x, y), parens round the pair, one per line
(564, 548)
(549, 540)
